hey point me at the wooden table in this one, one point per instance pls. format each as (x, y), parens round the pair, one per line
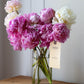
(25, 80)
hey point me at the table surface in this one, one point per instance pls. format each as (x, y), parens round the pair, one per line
(26, 80)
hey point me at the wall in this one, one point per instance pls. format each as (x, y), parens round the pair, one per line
(72, 68)
(2, 15)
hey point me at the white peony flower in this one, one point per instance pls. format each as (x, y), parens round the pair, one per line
(64, 15)
(9, 17)
(13, 5)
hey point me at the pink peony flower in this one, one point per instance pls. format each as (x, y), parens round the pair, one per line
(21, 34)
(47, 14)
(15, 41)
(30, 39)
(18, 25)
(33, 18)
(45, 35)
(60, 32)
(12, 6)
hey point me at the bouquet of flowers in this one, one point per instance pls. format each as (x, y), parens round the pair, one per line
(36, 32)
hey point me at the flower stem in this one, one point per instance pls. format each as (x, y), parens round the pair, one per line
(38, 80)
(42, 63)
(33, 80)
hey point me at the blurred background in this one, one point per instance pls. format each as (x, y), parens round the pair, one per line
(13, 63)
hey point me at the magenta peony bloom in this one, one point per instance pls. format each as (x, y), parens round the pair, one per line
(30, 39)
(18, 24)
(47, 14)
(21, 34)
(15, 39)
(15, 30)
(45, 35)
(33, 18)
(60, 32)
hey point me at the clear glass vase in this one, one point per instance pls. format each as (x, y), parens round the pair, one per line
(41, 72)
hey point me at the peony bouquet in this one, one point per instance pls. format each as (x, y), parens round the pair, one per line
(36, 32)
